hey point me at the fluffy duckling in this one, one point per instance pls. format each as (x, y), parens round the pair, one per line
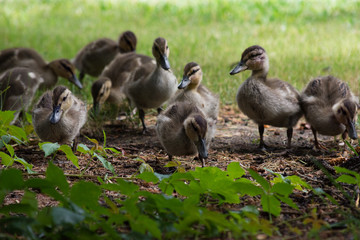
(151, 86)
(26, 57)
(119, 70)
(17, 89)
(330, 107)
(100, 91)
(59, 116)
(182, 130)
(264, 100)
(93, 58)
(193, 91)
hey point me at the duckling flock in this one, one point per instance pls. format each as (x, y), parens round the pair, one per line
(187, 126)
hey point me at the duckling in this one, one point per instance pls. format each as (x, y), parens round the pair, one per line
(17, 89)
(119, 70)
(26, 57)
(151, 86)
(59, 116)
(197, 93)
(182, 130)
(330, 108)
(100, 91)
(96, 55)
(264, 100)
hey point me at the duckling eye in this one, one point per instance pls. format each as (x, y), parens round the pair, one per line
(64, 98)
(167, 47)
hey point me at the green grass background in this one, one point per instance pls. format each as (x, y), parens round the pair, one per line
(302, 38)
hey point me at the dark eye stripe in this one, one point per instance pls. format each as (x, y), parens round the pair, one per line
(194, 71)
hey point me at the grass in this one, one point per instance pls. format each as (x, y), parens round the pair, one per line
(301, 37)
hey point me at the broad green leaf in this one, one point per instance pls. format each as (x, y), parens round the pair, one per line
(270, 204)
(55, 175)
(29, 198)
(262, 181)
(62, 216)
(345, 170)
(351, 147)
(347, 179)
(288, 201)
(10, 149)
(248, 188)
(69, 154)
(144, 167)
(27, 165)
(17, 132)
(148, 177)
(105, 163)
(234, 170)
(46, 187)
(250, 209)
(85, 194)
(282, 188)
(6, 117)
(172, 164)
(6, 159)
(162, 176)
(49, 148)
(11, 179)
(83, 149)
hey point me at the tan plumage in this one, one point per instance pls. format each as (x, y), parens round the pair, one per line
(264, 100)
(17, 89)
(59, 116)
(100, 91)
(93, 58)
(26, 57)
(150, 86)
(330, 107)
(182, 130)
(191, 89)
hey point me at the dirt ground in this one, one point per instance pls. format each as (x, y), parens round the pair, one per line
(236, 140)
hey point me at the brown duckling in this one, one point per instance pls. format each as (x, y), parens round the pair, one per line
(100, 91)
(93, 58)
(191, 89)
(330, 108)
(26, 57)
(150, 86)
(182, 130)
(17, 89)
(59, 116)
(266, 100)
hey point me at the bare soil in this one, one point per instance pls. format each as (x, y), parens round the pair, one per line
(236, 140)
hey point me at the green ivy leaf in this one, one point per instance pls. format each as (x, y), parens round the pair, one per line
(49, 148)
(262, 181)
(234, 170)
(6, 159)
(69, 154)
(248, 188)
(55, 175)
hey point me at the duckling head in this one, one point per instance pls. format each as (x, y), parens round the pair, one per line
(64, 68)
(161, 52)
(62, 101)
(195, 129)
(100, 91)
(345, 112)
(253, 58)
(127, 42)
(192, 76)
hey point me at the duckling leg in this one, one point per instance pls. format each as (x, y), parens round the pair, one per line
(289, 136)
(202, 161)
(75, 143)
(262, 145)
(142, 118)
(316, 142)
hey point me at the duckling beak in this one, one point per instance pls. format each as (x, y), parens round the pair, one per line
(201, 147)
(184, 82)
(76, 81)
(351, 130)
(56, 114)
(239, 68)
(96, 108)
(164, 62)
